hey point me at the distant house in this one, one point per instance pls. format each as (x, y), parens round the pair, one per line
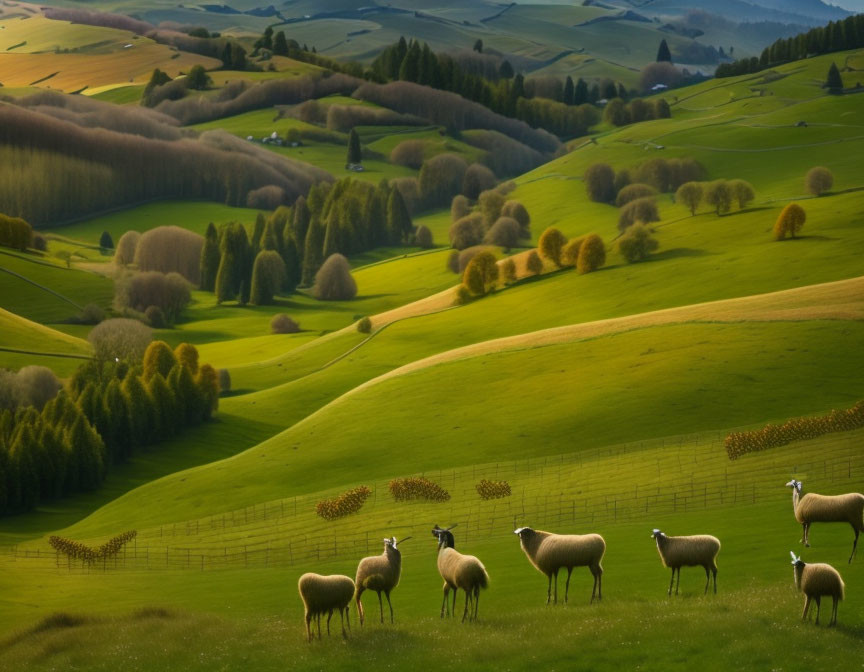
(355, 167)
(602, 101)
(659, 87)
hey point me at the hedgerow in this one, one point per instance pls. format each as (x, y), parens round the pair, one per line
(350, 501)
(417, 487)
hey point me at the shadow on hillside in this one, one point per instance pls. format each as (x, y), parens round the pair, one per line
(806, 238)
(679, 253)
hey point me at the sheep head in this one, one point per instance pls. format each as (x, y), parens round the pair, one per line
(657, 534)
(795, 484)
(524, 533)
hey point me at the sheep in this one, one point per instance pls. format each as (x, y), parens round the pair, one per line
(325, 593)
(549, 553)
(695, 551)
(379, 573)
(815, 581)
(813, 508)
(459, 572)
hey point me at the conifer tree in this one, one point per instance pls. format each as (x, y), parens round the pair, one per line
(834, 83)
(209, 259)
(355, 153)
(663, 53)
(569, 91)
(280, 44)
(399, 225)
(159, 359)
(313, 249)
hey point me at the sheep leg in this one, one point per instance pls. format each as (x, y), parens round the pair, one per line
(318, 620)
(854, 544)
(556, 586)
(714, 571)
(707, 579)
(818, 608)
(390, 604)
(834, 611)
(381, 606)
(549, 590)
(308, 627)
(567, 585)
(445, 603)
(600, 585)
(476, 602)
(467, 598)
(806, 608)
(807, 535)
(671, 581)
(678, 582)
(347, 611)
(453, 610)
(342, 620)
(360, 614)
(329, 616)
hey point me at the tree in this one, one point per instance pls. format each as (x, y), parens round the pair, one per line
(478, 178)
(283, 324)
(198, 79)
(789, 222)
(120, 338)
(508, 270)
(187, 355)
(478, 46)
(399, 224)
(506, 70)
(570, 253)
(819, 181)
(551, 243)
(158, 78)
(481, 274)
(423, 238)
(125, 252)
(139, 408)
(534, 264)
(580, 92)
(519, 212)
(268, 277)
(834, 82)
(743, 192)
(642, 210)
(280, 44)
(663, 53)
(209, 259)
(592, 255)
(569, 91)
(719, 196)
(490, 204)
(207, 381)
(690, 195)
(164, 407)
(637, 243)
(662, 109)
(505, 233)
(334, 281)
(158, 359)
(355, 152)
(106, 242)
(312, 251)
(616, 113)
(600, 183)
(632, 192)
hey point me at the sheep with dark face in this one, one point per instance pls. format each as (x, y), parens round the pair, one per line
(550, 553)
(322, 594)
(699, 550)
(818, 580)
(459, 571)
(379, 573)
(813, 508)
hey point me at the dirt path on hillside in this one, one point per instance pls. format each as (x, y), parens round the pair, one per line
(841, 300)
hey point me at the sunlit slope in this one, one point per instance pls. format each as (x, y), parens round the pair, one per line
(529, 401)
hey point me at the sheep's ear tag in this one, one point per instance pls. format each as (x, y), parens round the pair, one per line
(518, 530)
(655, 532)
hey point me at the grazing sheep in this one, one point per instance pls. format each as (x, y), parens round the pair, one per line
(459, 572)
(325, 593)
(813, 508)
(815, 581)
(549, 553)
(379, 573)
(699, 550)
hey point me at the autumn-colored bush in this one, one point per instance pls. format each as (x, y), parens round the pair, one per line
(350, 501)
(417, 488)
(493, 489)
(409, 153)
(75, 550)
(796, 429)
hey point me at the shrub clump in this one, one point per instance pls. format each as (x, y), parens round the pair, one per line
(534, 264)
(265, 198)
(170, 249)
(505, 233)
(493, 489)
(570, 253)
(600, 183)
(333, 281)
(121, 338)
(31, 386)
(364, 325)
(481, 274)
(283, 324)
(592, 255)
(632, 192)
(790, 221)
(224, 381)
(637, 244)
(551, 244)
(409, 153)
(467, 231)
(797, 429)
(139, 291)
(417, 488)
(124, 253)
(642, 211)
(350, 501)
(423, 238)
(819, 181)
(477, 179)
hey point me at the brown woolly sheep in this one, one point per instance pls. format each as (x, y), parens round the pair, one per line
(549, 553)
(699, 550)
(813, 508)
(379, 573)
(325, 594)
(816, 581)
(459, 572)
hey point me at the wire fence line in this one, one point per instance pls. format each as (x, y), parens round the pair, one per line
(575, 492)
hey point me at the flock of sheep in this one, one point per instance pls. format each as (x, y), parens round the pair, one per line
(550, 553)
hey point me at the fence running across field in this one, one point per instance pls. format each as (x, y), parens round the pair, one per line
(576, 492)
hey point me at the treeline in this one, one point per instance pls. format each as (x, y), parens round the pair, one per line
(59, 167)
(288, 248)
(836, 36)
(15, 233)
(508, 95)
(68, 444)
(620, 113)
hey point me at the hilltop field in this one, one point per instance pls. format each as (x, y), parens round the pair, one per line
(603, 400)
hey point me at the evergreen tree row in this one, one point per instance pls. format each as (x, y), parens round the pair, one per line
(287, 248)
(109, 409)
(836, 36)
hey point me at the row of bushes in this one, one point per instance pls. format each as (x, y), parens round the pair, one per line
(15, 233)
(797, 429)
(494, 220)
(417, 488)
(75, 550)
(350, 501)
(603, 183)
(493, 489)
